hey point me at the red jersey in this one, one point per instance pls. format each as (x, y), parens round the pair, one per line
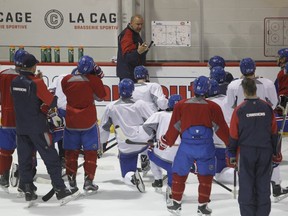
(6, 100)
(282, 79)
(81, 92)
(196, 112)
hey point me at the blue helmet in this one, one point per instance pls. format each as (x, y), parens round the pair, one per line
(201, 85)
(214, 88)
(218, 73)
(126, 88)
(173, 99)
(247, 66)
(85, 65)
(216, 61)
(140, 72)
(282, 57)
(18, 57)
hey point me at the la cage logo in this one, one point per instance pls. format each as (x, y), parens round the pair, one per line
(54, 19)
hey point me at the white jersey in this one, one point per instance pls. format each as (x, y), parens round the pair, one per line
(159, 122)
(129, 116)
(265, 91)
(57, 88)
(151, 93)
(227, 112)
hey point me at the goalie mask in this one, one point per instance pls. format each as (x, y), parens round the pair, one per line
(126, 88)
(247, 66)
(85, 65)
(217, 73)
(201, 85)
(216, 61)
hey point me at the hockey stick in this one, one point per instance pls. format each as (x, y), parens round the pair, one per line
(128, 141)
(222, 185)
(50, 194)
(235, 183)
(281, 131)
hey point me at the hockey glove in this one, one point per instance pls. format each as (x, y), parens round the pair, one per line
(231, 159)
(54, 118)
(162, 144)
(98, 71)
(276, 160)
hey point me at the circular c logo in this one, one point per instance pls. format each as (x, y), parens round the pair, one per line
(54, 19)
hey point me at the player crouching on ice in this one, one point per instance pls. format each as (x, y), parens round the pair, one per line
(128, 115)
(162, 159)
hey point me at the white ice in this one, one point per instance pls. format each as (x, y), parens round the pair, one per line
(116, 198)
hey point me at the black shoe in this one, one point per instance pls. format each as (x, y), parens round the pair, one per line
(4, 179)
(278, 190)
(89, 186)
(30, 194)
(175, 207)
(158, 183)
(203, 209)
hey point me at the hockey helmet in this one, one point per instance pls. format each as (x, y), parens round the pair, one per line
(126, 88)
(214, 88)
(247, 66)
(218, 73)
(18, 57)
(173, 99)
(201, 85)
(282, 57)
(140, 72)
(85, 65)
(216, 61)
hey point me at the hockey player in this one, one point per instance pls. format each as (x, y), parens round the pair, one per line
(157, 124)
(223, 174)
(265, 91)
(152, 93)
(81, 131)
(194, 119)
(8, 122)
(29, 92)
(253, 129)
(218, 73)
(281, 81)
(216, 61)
(127, 115)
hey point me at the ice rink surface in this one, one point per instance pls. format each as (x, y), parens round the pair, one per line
(116, 198)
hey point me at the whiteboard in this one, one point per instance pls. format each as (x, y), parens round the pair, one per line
(171, 33)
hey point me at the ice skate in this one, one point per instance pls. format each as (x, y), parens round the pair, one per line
(137, 180)
(30, 195)
(168, 196)
(145, 164)
(4, 181)
(204, 210)
(14, 177)
(158, 184)
(20, 193)
(174, 207)
(72, 181)
(279, 193)
(89, 188)
(65, 195)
